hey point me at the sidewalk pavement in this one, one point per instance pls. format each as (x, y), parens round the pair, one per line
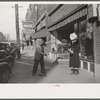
(62, 74)
(56, 73)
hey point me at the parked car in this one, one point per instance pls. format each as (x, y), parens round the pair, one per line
(4, 72)
(7, 56)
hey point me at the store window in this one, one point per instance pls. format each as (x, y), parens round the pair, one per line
(86, 39)
(63, 47)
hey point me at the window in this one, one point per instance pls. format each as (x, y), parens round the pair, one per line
(86, 39)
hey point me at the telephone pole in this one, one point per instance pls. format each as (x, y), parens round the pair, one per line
(37, 12)
(36, 9)
(17, 31)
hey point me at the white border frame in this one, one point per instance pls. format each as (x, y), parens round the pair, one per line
(40, 91)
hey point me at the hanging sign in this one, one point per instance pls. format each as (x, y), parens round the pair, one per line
(27, 24)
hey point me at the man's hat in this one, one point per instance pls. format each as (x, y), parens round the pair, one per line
(73, 36)
(39, 41)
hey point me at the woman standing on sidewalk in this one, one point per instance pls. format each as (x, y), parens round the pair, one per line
(74, 63)
(39, 57)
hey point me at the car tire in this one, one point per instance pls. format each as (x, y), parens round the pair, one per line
(10, 60)
(4, 75)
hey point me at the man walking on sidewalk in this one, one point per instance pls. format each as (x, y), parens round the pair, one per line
(39, 57)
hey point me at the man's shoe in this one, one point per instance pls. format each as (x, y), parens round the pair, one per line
(42, 74)
(76, 72)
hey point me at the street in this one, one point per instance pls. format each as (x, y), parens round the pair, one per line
(56, 73)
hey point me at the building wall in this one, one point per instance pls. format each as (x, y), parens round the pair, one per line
(31, 17)
(31, 14)
(97, 50)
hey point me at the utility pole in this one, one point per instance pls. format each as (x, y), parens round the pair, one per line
(37, 12)
(36, 9)
(17, 31)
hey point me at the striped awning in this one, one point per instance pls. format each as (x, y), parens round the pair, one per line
(69, 19)
(41, 33)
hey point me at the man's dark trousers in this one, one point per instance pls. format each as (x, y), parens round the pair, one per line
(36, 63)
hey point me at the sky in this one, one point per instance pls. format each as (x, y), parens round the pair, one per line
(7, 18)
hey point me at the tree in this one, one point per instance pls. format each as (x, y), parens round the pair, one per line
(2, 37)
(7, 36)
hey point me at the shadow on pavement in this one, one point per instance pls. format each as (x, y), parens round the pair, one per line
(27, 59)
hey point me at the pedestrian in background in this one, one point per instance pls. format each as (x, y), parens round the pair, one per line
(45, 49)
(27, 42)
(74, 63)
(31, 42)
(22, 46)
(39, 57)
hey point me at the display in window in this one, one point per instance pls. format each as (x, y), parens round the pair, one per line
(86, 39)
(89, 40)
(63, 48)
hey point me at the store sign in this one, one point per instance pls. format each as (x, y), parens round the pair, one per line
(27, 37)
(27, 32)
(27, 24)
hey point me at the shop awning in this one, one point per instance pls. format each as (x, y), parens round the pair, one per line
(41, 33)
(69, 19)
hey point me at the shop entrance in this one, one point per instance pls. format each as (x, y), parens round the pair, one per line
(44, 39)
(63, 36)
(85, 33)
(65, 31)
(84, 30)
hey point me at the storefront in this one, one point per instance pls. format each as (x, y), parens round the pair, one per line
(78, 21)
(40, 28)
